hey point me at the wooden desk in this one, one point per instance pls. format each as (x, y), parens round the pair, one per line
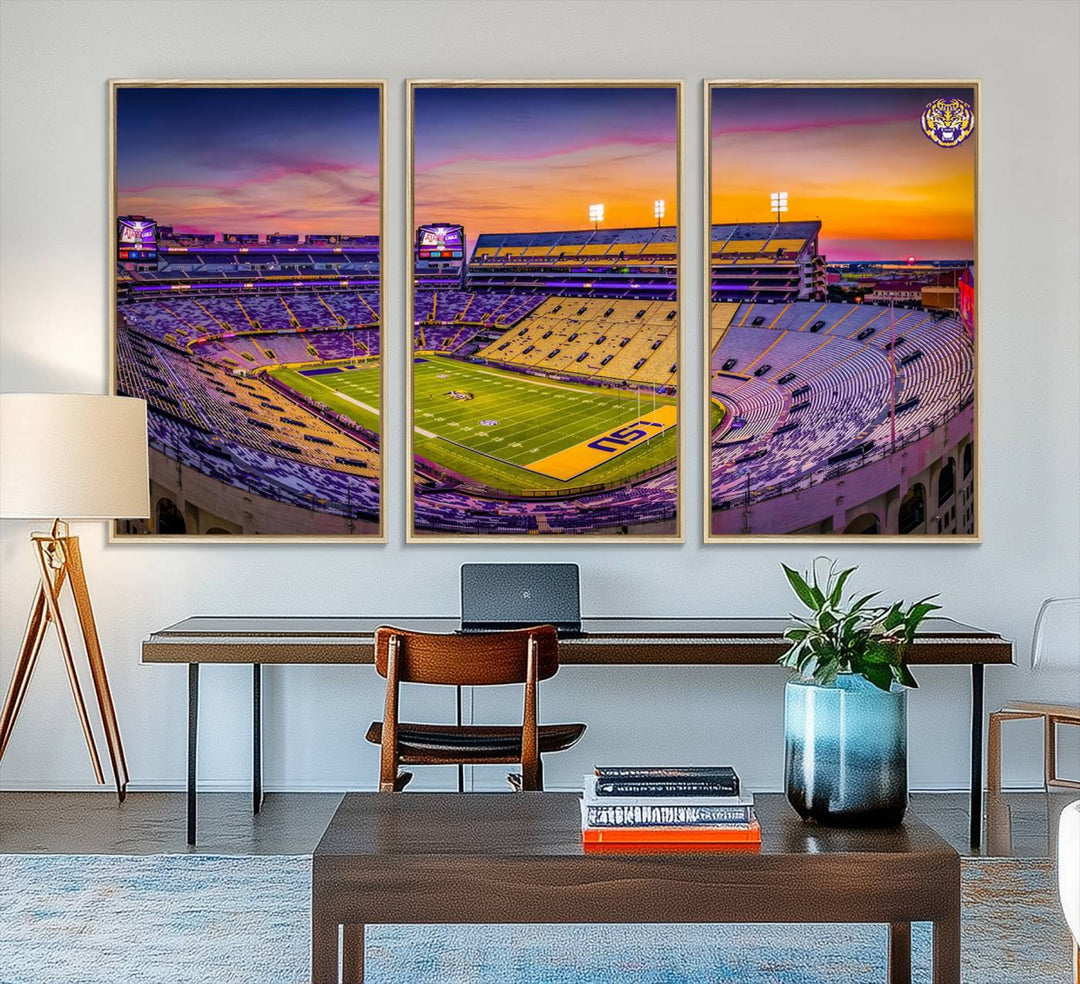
(517, 858)
(269, 639)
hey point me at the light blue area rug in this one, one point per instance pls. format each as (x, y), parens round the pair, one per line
(175, 919)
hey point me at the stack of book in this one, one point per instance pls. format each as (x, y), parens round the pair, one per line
(654, 806)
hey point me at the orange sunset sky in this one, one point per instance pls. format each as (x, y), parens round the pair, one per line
(531, 159)
(857, 159)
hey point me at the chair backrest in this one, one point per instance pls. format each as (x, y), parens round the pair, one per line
(1055, 643)
(468, 659)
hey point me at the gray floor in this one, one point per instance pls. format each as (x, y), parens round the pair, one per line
(1020, 824)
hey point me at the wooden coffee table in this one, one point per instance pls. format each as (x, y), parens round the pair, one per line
(517, 858)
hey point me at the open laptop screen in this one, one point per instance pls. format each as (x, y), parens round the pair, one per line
(516, 595)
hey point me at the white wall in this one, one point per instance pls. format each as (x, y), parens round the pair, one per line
(53, 316)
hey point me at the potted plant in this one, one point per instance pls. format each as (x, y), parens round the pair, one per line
(845, 713)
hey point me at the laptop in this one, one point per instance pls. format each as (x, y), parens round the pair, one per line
(515, 596)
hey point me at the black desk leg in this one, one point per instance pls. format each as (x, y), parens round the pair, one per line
(976, 753)
(461, 767)
(256, 738)
(192, 747)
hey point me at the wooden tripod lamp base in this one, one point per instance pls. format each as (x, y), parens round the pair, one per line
(59, 562)
(82, 456)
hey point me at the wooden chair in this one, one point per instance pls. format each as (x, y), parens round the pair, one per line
(1055, 644)
(476, 660)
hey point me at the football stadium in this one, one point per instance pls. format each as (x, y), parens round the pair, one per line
(544, 385)
(545, 354)
(545, 372)
(257, 351)
(837, 409)
(841, 352)
(258, 357)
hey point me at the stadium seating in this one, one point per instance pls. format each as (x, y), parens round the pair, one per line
(466, 307)
(766, 261)
(452, 511)
(618, 340)
(826, 393)
(303, 484)
(608, 262)
(182, 259)
(183, 356)
(251, 412)
(450, 320)
(178, 319)
(804, 383)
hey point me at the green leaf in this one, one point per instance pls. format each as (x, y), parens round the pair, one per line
(903, 675)
(864, 600)
(920, 610)
(893, 617)
(800, 587)
(915, 616)
(877, 653)
(880, 676)
(838, 589)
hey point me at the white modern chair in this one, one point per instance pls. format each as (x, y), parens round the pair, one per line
(1055, 646)
(1069, 875)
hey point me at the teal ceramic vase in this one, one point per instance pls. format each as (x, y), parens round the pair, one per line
(846, 752)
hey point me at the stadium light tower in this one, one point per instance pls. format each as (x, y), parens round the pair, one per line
(659, 207)
(779, 203)
(596, 215)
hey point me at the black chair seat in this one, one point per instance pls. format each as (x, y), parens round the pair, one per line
(474, 742)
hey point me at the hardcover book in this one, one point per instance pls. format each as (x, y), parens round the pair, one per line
(666, 816)
(667, 781)
(654, 799)
(662, 847)
(617, 787)
(667, 773)
(736, 834)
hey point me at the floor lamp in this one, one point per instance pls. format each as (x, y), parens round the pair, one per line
(75, 456)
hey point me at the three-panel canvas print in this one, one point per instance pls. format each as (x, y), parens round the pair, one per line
(543, 395)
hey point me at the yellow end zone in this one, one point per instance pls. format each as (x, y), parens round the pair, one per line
(571, 462)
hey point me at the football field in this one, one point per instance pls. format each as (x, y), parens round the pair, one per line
(510, 431)
(351, 389)
(523, 433)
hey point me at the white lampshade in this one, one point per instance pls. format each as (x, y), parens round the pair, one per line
(73, 456)
(1055, 643)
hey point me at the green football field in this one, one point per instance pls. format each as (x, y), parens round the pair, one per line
(489, 424)
(354, 393)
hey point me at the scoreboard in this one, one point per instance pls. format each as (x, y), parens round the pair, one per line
(440, 255)
(136, 239)
(440, 242)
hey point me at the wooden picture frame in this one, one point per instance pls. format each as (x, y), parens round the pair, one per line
(811, 491)
(497, 512)
(274, 463)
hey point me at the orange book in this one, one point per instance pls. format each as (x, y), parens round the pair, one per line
(638, 848)
(749, 834)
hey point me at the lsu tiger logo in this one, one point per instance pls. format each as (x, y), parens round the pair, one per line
(948, 122)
